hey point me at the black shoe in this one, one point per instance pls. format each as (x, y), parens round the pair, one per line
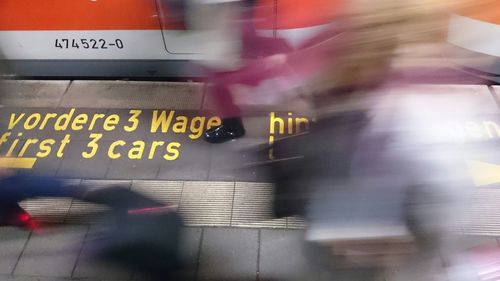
(230, 129)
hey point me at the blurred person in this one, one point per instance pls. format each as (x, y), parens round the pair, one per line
(376, 36)
(357, 60)
(373, 30)
(144, 235)
(230, 41)
(380, 177)
(16, 187)
(360, 57)
(221, 54)
(385, 186)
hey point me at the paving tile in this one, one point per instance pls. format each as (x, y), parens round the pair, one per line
(47, 166)
(253, 206)
(207, 203)
(285, 256)
(228, 254)
(53, 253)
(257, 127)
(28, 93)
(230, 161)
(125, 168)
(74, 165)
(166, 192)
(193, 162)
(89, 265)
(264, 175)
(295, 223)
(12, 241)
(128, 94)
(282, 256)
(189, 251)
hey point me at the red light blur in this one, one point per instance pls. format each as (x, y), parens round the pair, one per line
(151, 210)
(24, 217)
(33, 225)
(28, 221)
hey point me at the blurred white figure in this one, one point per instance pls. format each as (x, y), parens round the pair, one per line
(216, 20)
(388, 181)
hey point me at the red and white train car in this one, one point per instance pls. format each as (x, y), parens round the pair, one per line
(135, 38)
(126, 38)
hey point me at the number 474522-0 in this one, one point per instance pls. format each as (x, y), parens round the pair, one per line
(65, 43)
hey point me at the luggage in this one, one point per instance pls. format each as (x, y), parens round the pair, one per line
(290, 193)
(301, 159)
(146, 234)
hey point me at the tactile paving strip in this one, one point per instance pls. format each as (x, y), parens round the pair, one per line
(82, 212)
(166, 192)
(252, 206)
(236, 204)
(48, 209)
(483, 215)
(295, 223)
(207, 203)
(201, 203)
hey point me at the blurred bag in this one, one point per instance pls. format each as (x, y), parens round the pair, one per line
(287, 172)
(147, 233)
(325, 152)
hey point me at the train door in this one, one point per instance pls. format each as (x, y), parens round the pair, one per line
(179, 40)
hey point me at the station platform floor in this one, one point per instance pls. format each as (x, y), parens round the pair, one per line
(146, 136)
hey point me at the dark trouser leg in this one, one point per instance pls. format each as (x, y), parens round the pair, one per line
(231, 126)
(20, 187)
(224, 100)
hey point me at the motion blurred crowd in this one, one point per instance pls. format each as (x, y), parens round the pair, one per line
(373, 182)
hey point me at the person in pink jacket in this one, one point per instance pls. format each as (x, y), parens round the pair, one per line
(231, 44)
